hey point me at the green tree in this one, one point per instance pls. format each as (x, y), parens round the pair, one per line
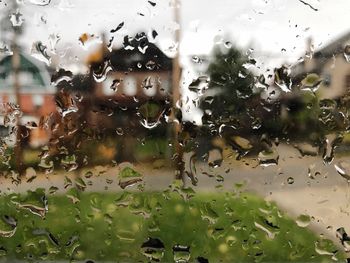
(231, 88)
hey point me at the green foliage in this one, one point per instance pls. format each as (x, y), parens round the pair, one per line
(303, 114)
(128, 172)
(232, 83)
(225, 227)
(152, 148)
(150, 110)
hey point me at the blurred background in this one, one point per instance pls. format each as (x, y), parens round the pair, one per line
(127, 100)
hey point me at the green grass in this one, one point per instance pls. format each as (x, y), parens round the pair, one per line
(227, 227)
(152, 149)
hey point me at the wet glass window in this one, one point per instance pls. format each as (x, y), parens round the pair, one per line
(174, 131)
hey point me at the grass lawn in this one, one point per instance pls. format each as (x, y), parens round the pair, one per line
(163, 226)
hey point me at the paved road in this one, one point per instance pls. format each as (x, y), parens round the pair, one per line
(299, 185)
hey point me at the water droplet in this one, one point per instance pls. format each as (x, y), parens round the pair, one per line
(61, 75)
(150, 114)
(311, 82)
(256, 124)
(115, 84)
(153, 249)
(282, 79)
(322, 246)
(151, 65)
(126, 236)
(80, 184)
(67, 182)
(303, 220)
(100, 72)
(47, 166)
(149, 125)
(40, 2)
(344, 238)
(119, 131)
(208, 213)
(129, 177)
(268, 157)
(16, 19)
(88, 174)
(142, 48)
(11, 114)
(251, 63)
(3, 252)
(35, 202)
(5, 49)
(215, 158)
(53, 40)
(118, 27)
(331, 142)
(311, 173)
(65, 103)
(39, 51)
(199, 85)
(73, 195)
(181, 253)
(8, 226)
(242, 75)
(197, 59)
(68, 162)
(31, 125)
(53, 190)
(228, 44)
(343, 168)
(290, 180)
(148, 83)
(347, 53)
(241, 145)
(269, 234)
(30, 174)
(152, 3)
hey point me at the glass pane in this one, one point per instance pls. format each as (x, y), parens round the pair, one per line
(174, 131)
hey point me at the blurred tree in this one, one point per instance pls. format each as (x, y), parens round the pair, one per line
(231, 88)
(232, 105)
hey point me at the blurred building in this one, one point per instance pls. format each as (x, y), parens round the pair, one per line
(127, 94)
(127, 81)
(331, 64)
(36, 97)
(326, 73)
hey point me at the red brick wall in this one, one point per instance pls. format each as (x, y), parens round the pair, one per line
(28, 107)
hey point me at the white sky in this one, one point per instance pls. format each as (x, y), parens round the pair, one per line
(265, 25)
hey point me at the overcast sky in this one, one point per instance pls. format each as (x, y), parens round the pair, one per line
(268, 26)
(276, 30)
